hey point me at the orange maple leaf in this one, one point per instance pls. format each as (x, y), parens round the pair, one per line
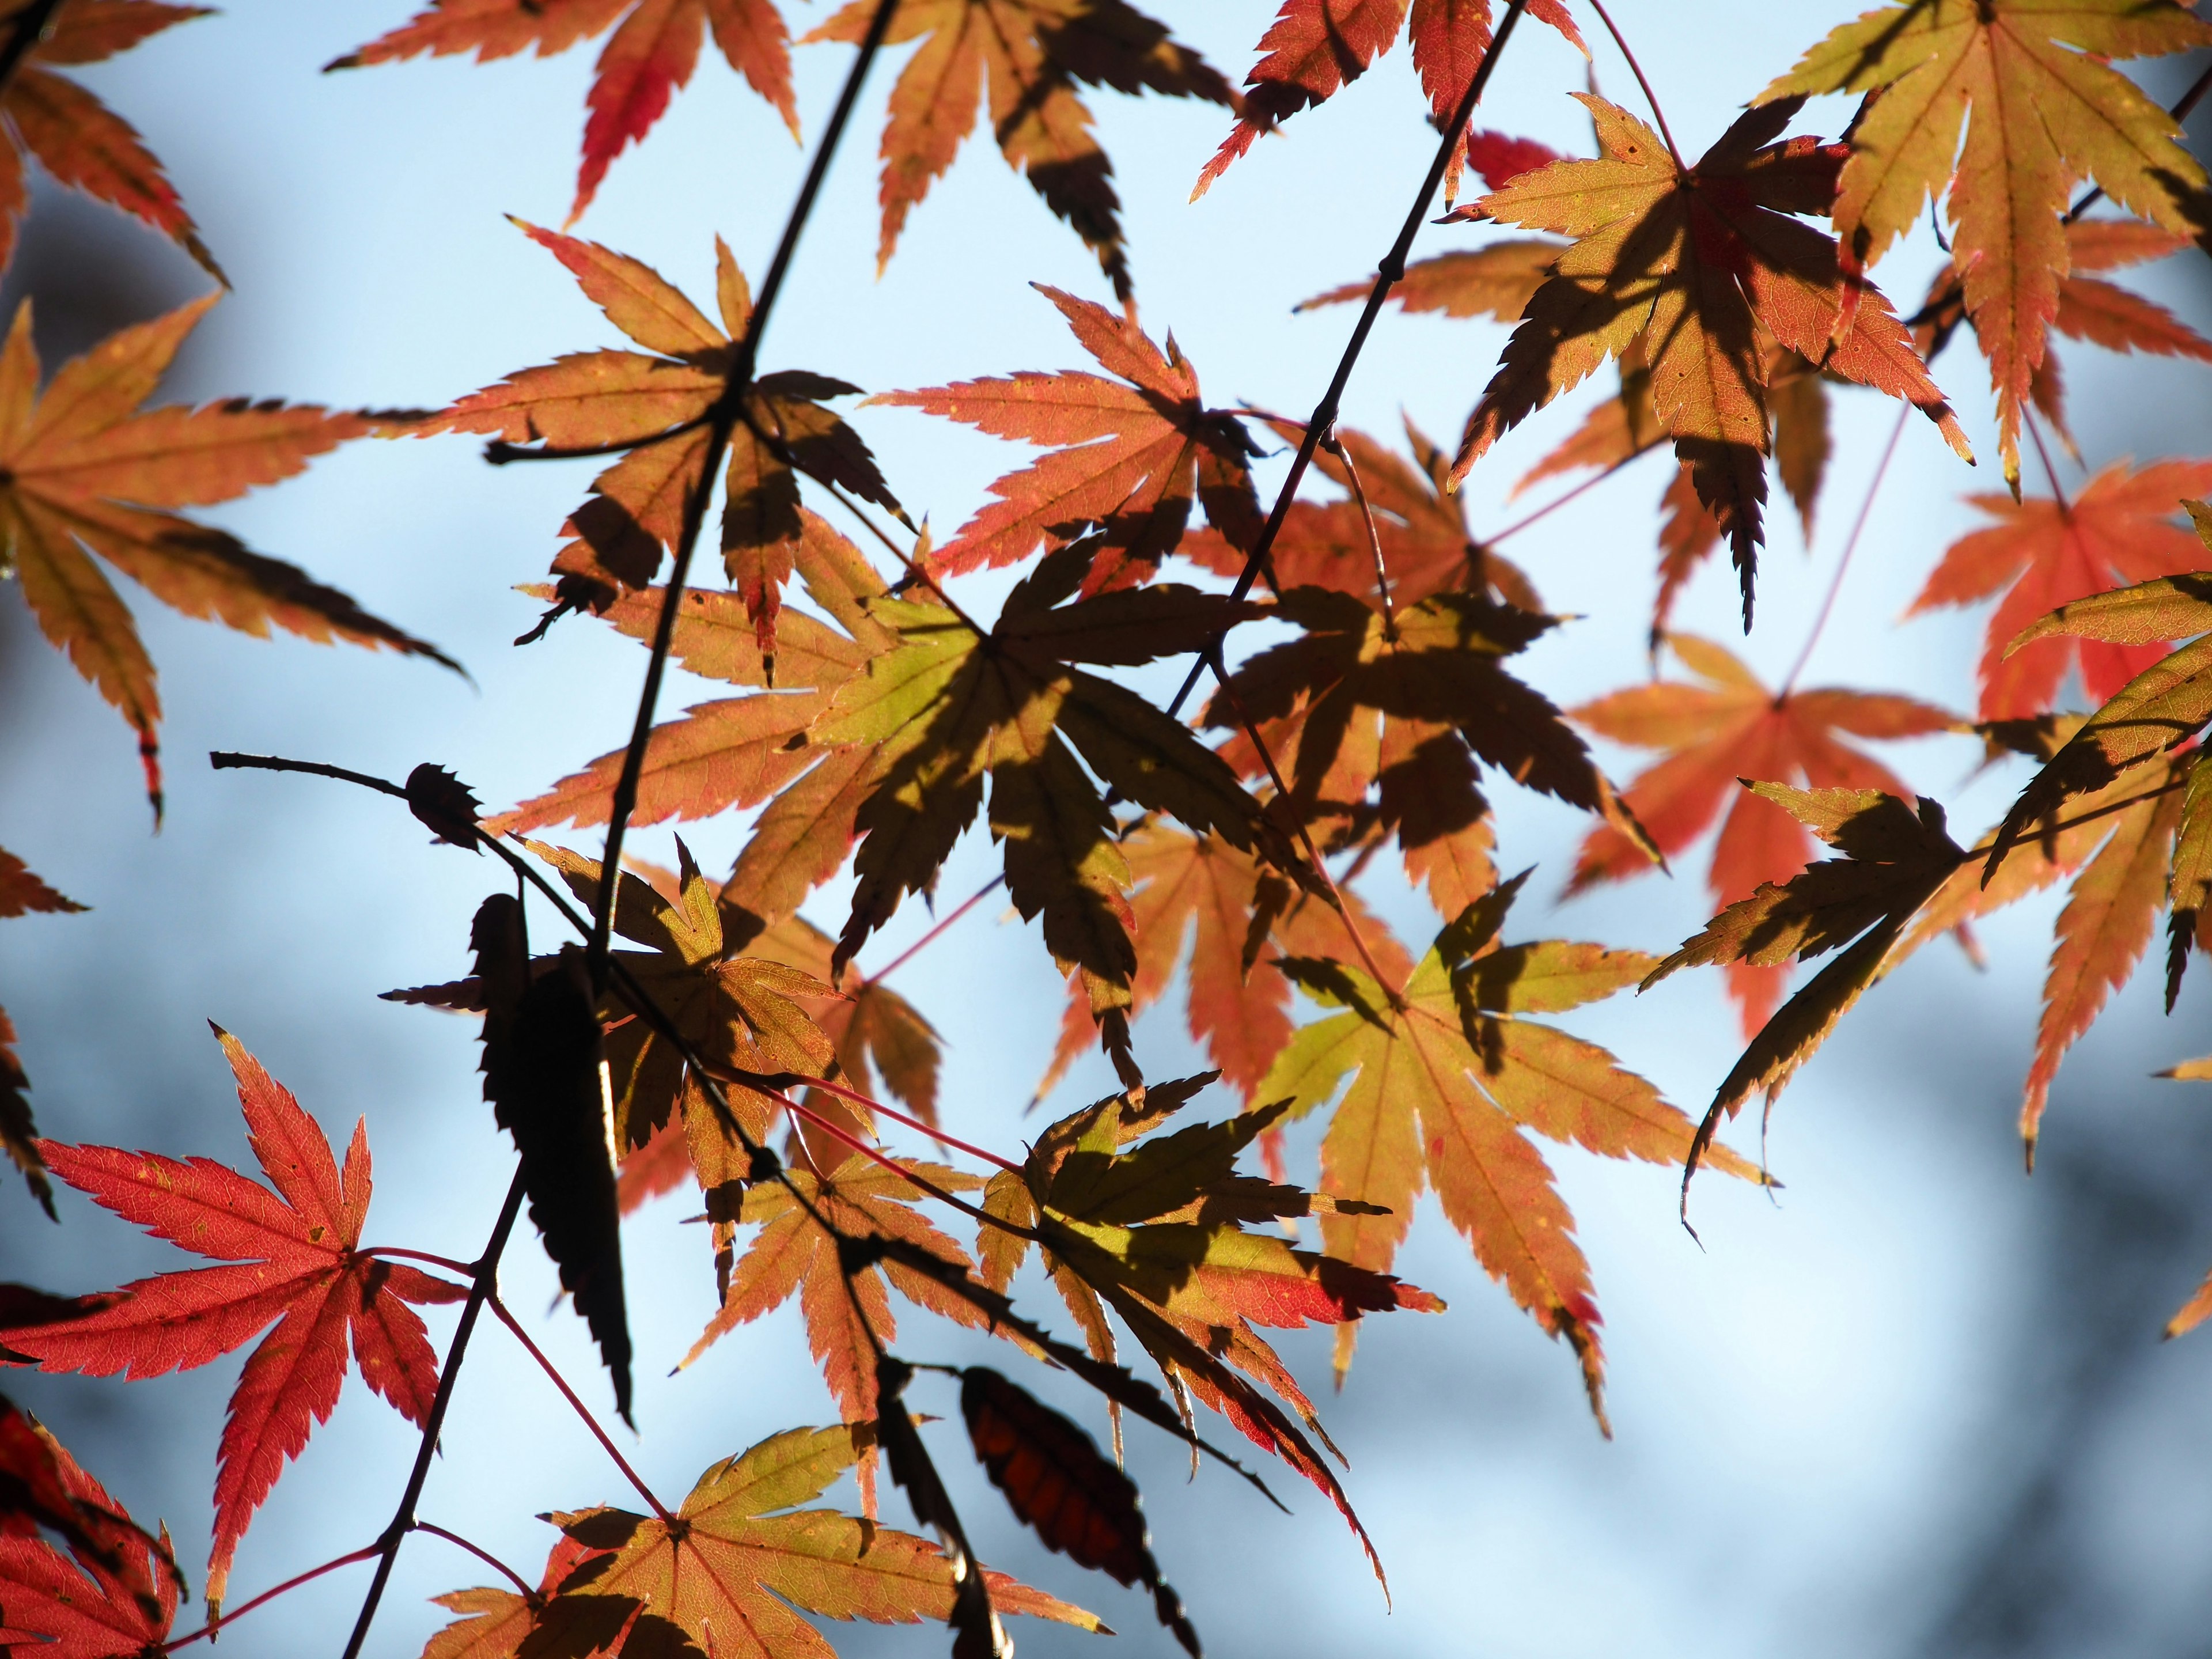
(1028, 57)
(2044, 551)
(1314, 48)
(1703, 265)
(79, 141)
(1727, 728)
(84, 471)
(1128, 456)
(646, 60)
(2047, 109)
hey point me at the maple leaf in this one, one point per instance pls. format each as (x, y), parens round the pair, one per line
(874, 1028)
(726, 1575)
(1056, 1479)
(2047, 110)
(1404, 706)
(950, 704)
(1617, 430)
(2158, 711)
(1447, 1075)
(1702, 264)
(2089, 308)
(743, 751)
(1896, 858)
(113, 1596)
(78, 140)
(545, 1074)
(2045, 551)
(648, 58)
(36, 1486)
(1025, 59)
(1201, 888)
(741, 1016)
(21, 893)
(1496, 280)
(1421, 526)
(658, 403)
(1314, 48)
(296, 1262)
(1725, 728)
(84, 471)
(1156, 1233)
(1128, 456)
(496, 1623)
(793, 1254)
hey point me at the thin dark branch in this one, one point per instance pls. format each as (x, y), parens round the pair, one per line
(528, 1590)
(402, 1518)
(1843, 564)
(1335, 446)
(1636, 69)
(606, 1444)
(728, 409)
(500, 452)
(294, 1582)
(1387, 274)
(224, 761)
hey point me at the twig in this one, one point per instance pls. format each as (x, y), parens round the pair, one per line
(951, 916)
(1560, 501)
(2050, 472)
(487, 1273)
(500, 452)
(1386, 276)
(1851, 546)
(1636, 69)
(225, 760)
(529, 1590)
(500, 1311)
(393, 1252)
(898, 1116)
(837, 1131)
(1335, 446)
(723, 420)
(1305, 839)
(209, 1629)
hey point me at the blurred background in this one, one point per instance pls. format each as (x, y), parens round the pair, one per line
(1917, 1405)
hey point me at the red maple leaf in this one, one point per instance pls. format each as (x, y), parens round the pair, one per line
(114, 1592)
(295, 1261)
(2044, 551)
(1724, 727)
(646, 61)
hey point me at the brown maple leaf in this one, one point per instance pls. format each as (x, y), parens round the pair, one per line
(1704, 264)
(1724, 730)
(78, 140)
(1128, 457)
(1025, 58)
(648, 58)
(2047, 109)
(84, 471)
